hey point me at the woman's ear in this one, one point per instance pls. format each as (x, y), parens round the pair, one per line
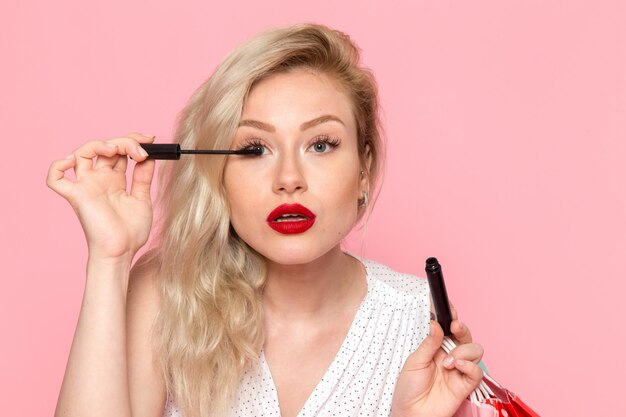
(368, 157)
(365, 168)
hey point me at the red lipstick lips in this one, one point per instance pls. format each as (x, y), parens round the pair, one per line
(290, 219)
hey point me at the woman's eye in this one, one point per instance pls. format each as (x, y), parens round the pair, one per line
(324, 145)
(254, 146)
(320, 147)
(260, 149)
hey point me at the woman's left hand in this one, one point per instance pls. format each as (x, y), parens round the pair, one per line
(434, 384)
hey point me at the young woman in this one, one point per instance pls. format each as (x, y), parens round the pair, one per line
(247, 305)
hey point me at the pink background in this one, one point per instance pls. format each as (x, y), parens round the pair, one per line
(507, 147)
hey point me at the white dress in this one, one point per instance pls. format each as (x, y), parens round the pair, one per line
(391, 322)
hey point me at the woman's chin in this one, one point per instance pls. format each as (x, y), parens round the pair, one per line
(299, 256)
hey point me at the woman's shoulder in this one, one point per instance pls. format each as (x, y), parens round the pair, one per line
(397, 283)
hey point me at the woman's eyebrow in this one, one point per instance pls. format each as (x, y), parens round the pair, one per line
(304, 126)
(258, 125)
(320, 120)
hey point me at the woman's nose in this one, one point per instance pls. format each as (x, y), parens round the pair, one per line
(289, 177)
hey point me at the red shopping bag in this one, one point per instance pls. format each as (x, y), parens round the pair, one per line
(493, 400)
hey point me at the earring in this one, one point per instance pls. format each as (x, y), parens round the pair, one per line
(362, 202)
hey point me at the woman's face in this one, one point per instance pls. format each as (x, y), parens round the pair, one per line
(298, 200)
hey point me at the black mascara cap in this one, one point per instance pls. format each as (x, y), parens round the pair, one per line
(162, 150)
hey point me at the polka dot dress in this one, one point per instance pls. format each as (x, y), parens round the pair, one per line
(389, 325)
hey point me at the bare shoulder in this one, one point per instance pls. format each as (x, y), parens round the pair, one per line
(145, 379)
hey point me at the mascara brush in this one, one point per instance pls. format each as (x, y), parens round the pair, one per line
(173, 151)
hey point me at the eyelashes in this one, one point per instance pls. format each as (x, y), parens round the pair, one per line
(320, 144)
(252, 143)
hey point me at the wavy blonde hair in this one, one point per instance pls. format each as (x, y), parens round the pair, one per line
(209, 329)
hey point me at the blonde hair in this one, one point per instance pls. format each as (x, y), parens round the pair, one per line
(209, 328)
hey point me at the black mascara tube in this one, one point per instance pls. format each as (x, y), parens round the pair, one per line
(439, 294)
(169, 151)
(172, 151)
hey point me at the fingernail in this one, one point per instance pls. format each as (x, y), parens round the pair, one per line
(149, 136)
(461, 325)
(448, 361)
(110, 145)
(142, 151)
(70, 156)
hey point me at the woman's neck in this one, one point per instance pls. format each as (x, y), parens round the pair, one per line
(331, 283)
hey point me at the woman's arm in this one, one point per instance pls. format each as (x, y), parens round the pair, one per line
(107, 358)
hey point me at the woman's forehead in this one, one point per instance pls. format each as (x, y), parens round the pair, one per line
(297, 97)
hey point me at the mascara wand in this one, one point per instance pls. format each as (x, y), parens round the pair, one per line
(172, 151)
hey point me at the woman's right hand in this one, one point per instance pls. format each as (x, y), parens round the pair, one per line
(116, 221)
